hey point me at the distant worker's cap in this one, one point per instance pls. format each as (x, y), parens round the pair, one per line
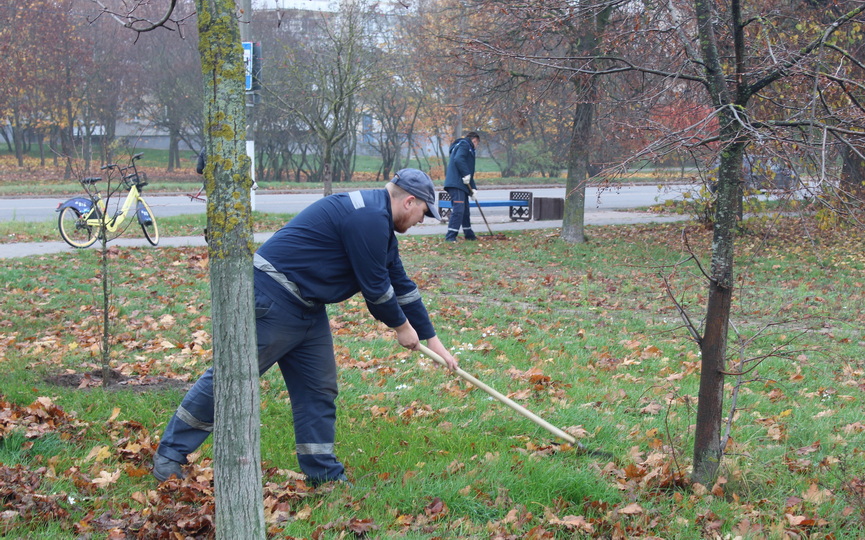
(419, 184)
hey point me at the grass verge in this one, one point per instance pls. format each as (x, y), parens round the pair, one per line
(583, 335)
(186, 225)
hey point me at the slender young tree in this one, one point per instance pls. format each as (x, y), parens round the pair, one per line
(763, 76)
(731, 87)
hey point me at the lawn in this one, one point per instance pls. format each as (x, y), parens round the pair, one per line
(586, 336)
(50, 179)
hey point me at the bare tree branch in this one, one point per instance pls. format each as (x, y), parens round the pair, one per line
(139, 24)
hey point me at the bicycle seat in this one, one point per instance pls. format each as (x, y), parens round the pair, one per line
(91, 180)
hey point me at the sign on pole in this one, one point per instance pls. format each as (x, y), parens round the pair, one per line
(252, 63)
(247, 61)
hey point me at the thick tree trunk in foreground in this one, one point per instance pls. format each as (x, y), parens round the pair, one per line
(236, 448)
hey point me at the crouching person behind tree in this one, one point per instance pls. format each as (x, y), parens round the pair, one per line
(339, 246)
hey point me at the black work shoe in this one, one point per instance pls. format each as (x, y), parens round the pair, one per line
(164, 468)
(472, 238)
(341, 479)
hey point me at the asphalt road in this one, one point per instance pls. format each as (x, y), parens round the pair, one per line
(43, 209)
(603, 207)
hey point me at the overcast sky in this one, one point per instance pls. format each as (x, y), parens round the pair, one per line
(315, 5)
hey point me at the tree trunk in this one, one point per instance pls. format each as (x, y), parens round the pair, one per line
(707, 437)
(236, 449)
(17, 137)
(86, 142)
(106, 305)
(573, 224)
(67, 135)
(107, 149)
(327, 174)
(172, 148)
(853, 173)
(713, 346)
(853, 169)
(6, 138)
(41, 140)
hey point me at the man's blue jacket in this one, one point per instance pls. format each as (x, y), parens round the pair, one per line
(342, 245)
(461, 163)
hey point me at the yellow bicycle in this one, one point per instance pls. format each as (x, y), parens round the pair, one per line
(83, 220)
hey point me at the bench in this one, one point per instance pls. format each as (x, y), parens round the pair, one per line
(519, 205)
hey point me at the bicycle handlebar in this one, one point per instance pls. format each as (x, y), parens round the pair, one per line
(132, 178)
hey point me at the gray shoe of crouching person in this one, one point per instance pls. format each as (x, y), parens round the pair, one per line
(164, 468)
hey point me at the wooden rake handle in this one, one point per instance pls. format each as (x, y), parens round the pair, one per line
(487, 223)
(505, 399)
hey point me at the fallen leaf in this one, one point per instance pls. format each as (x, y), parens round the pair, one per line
(106, 478)
(436, 508)
(577, 523)
(99, 454)
(816, 495)
(652, 408)
(631, 509)
(361, 526)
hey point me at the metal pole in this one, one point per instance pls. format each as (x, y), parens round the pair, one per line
(245, 21)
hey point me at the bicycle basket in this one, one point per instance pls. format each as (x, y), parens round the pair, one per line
(135, 179)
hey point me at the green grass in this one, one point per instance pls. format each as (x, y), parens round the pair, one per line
(185, 225)
(583, 335)
(159, 159)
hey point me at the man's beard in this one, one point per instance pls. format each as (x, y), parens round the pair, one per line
(401, 226)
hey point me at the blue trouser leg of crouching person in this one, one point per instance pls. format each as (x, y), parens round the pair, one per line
(460, 216)
(298, 339)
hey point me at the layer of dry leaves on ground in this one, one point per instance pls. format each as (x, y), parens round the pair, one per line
(184, 508)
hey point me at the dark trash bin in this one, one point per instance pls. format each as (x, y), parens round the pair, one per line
(549, 208)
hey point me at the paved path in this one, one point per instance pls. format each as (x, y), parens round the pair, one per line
(604, 206)
(498, 222)
(621, 197)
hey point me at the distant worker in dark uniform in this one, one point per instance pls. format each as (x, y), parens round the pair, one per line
(460, 185)
(340, 245)
(201, 162)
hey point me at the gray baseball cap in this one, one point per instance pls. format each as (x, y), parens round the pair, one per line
(419, 184)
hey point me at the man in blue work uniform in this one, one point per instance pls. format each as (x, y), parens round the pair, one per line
(460, 185)
(335, 248)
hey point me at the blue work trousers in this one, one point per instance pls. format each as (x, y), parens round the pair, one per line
(460, 215)
(298, 339)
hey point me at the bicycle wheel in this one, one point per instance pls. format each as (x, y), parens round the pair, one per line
(148, 222)
(74, 229)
